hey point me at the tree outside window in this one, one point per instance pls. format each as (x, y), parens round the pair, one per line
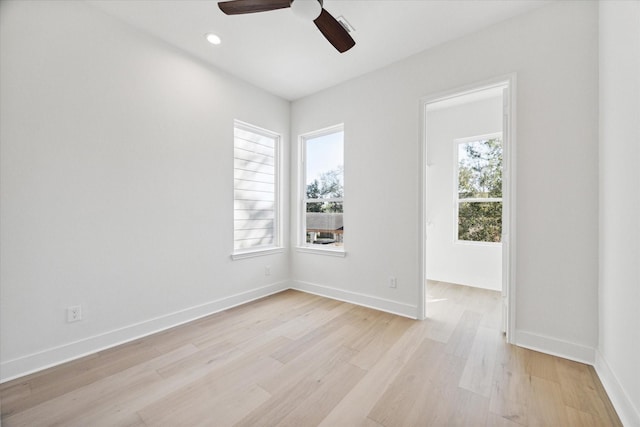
(323, 176)
(479, 189)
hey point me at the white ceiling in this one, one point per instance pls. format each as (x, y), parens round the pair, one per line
(289, 57)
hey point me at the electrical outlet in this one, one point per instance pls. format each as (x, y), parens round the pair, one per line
(393, 283)
(74, 313)
(267, 270)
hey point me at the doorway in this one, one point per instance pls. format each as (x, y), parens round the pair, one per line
(467, 192)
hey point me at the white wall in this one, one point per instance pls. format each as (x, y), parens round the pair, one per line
(619, 346)
(553, 50)
(116, 185)
(471, 264)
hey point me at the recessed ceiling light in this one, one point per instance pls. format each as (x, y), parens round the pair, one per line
(212, 38)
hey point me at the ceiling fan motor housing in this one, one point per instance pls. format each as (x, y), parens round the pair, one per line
(308, 10)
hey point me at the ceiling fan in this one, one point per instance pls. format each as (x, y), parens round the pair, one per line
(313, 10)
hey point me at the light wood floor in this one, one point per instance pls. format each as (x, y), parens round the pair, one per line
(300, 360)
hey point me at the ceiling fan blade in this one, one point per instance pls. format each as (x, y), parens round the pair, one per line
(238, 7)
(334, 32)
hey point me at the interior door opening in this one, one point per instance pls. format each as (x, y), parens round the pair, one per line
(467, 198)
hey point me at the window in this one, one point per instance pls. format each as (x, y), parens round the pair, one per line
(479, 189)
(256, 201)
(323, 186)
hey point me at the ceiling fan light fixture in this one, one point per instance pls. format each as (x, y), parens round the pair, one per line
(213, 38)
(308, 10)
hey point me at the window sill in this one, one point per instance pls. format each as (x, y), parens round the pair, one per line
(472, 243)
(326, 251)
(256, 253)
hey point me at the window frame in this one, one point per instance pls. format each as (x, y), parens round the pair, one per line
(277, 246)
(456, 198)
(301, 244)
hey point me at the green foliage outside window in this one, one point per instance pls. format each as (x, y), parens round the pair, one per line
(480, 222)
(480, 177)
(328, 187)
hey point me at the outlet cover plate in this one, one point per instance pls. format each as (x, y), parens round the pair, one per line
(74, 313)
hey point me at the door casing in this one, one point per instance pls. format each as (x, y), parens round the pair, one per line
(508, 193)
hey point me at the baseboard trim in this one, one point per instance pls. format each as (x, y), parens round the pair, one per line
(555, 347)
(629, 415)
(16, 368)
(377, 303)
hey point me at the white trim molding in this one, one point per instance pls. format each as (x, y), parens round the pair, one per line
(256, 253)
(629, 415)
(19, 367)
(329, 252)
(508, 83)
(376, 303)
(302, 199)
(15, 368)
(556, 347)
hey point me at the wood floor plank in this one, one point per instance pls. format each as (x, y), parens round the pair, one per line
(371, 328)
(177, 337)
(479, 369)
(189, 394)
(200, 361)
(581, 392)
(78, 406)
(411, 387)
(460, 342)
(511, 386)
(378, 343)
(578, 418)
(494, 420)
(48, 386)
(442, 320)
(332, 389)
(295, 359)
(13, 396)
(69, 409)
(509, 396)
(199, 407)
(357, 404)
(283, 407)
(541, 365)
(309, 340)
(53, 383)
(545, 405)
(320, 359)
(310, 320)
(464, 408)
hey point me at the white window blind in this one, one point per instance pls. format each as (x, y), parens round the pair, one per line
(255, 188)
